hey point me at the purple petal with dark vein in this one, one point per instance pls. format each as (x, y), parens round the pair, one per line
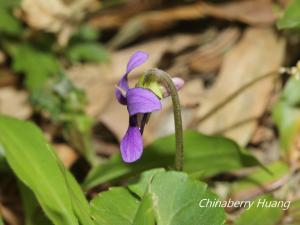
(144, 120)
(119, 95)
(132, 144)
(141, 100)
(136, 60)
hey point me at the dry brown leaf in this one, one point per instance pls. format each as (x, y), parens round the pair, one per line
(294, 153)
(262, 134)
(191, 93)
(105, 149)
(209, 57)
(180, 65)
(239, 10)
(9, 215)
(7, 78)
(14, 103)
(180, 42)
(54, 16)
(67, 154)
(256, 190)
(45, 15)
(2, 57)
(98, 88)
(259, 52)
(114, 17)
(254, 12)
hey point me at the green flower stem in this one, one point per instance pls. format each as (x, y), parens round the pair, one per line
(166, 80)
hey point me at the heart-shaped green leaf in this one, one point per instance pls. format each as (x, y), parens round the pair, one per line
(204, 156)
(169, 198)
(115, 207)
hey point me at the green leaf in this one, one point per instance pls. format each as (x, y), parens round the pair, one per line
(286, 114)
(287, 120)
(31, 208)
(176, 200)
(3, 164)
(80, 204)
(91, 52)
(260, 180)
(291, 92)
(44, 100)
(291, 17)
(8, 23)
(259, 214)
(37, 65)
(145, 214)
(1, 221)
(204, 156)
(138, 185)
(9, 4)
(172, 197)
(60, 98)
(86, 33)
(35, 164)
(114, 207)
(294, 212)
(64, 103)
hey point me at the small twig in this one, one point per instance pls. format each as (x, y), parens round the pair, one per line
(231, 97)
(9, 216)
(235, 125)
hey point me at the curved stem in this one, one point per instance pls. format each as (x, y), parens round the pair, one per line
(165, 78)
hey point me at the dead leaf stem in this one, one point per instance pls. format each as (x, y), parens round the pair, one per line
(216, 108)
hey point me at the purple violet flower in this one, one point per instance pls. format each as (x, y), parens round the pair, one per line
(140, 103)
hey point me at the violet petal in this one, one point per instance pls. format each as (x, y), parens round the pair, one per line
(141, 100)
(132, 143)
(136, 60)
(120, 97)
(178, 82)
